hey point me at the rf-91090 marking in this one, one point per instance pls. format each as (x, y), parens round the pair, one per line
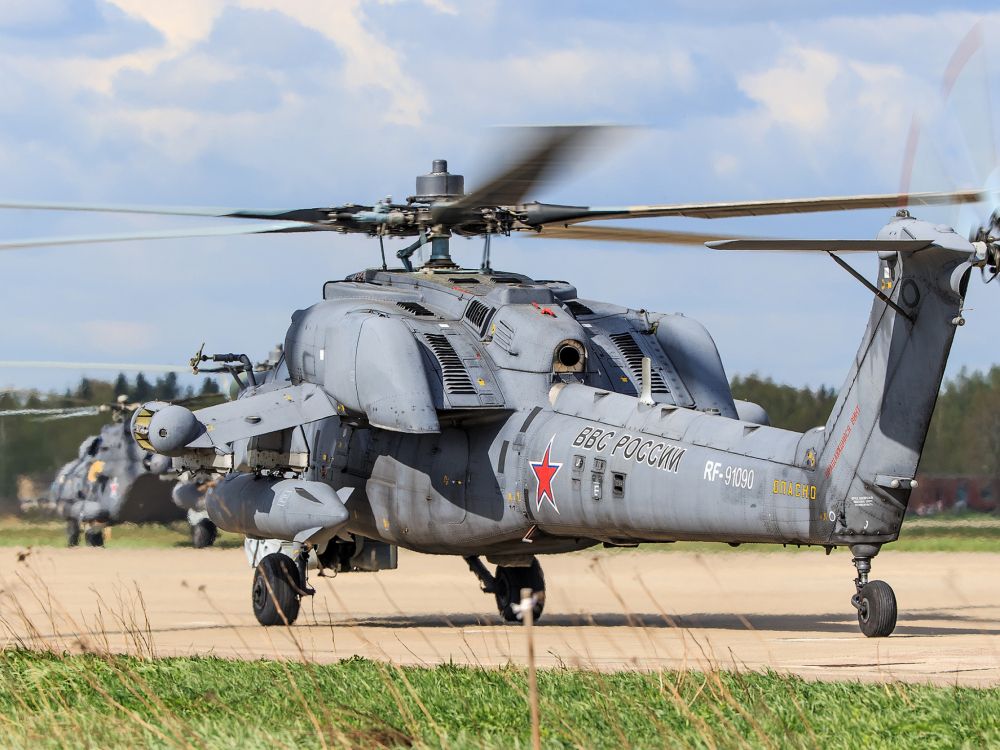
(731, 476)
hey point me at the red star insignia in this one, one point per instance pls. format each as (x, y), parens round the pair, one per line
(545, 472)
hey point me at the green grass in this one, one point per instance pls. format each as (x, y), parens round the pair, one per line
(950, 534)
(53, 701)
(18, 533)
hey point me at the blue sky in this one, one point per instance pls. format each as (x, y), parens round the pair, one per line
(289, 103)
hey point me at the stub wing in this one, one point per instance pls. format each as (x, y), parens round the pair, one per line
(172, 430)
(262, 413)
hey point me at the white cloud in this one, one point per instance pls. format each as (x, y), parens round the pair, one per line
(370, 61)
(794, 93)
(183, 23)
(441, 6)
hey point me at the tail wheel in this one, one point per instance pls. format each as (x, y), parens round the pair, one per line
(510, 581)
(275, 590)
(203, 534)
(876, 609)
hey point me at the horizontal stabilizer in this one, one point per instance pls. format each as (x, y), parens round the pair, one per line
(822, 246)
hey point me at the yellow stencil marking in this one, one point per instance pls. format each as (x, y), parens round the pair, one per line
(95, 468)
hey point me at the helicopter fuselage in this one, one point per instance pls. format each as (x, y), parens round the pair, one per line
(113, 481)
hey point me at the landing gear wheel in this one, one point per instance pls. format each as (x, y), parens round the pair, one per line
(94, 536)
(203, 534)
(510, 581)
(72, 532)
(275, 590)
(876, 605)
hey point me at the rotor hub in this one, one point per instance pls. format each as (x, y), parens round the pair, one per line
(439, 184)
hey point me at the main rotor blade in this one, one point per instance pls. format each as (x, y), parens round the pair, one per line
(540, 213)
(220, 231)
(55, 413)
(551, 150)
(821, 246)
(131, 367)
(301, 214)
(624, 234)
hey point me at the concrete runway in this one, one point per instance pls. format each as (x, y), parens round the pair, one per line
(787, 611)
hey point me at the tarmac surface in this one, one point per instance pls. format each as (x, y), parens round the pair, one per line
(786, 611)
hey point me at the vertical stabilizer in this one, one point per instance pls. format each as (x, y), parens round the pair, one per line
(873, 440)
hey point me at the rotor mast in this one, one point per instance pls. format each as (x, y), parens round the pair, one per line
(439, 185)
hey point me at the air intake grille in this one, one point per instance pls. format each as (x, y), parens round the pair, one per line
(476, 313)
(633, 357)
(456, 379)
(578, 308)
(416, 308)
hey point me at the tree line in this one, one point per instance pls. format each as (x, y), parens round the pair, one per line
(964, 432)
(89, 392)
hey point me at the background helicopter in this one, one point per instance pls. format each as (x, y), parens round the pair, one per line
(112, 480)
(470, 412)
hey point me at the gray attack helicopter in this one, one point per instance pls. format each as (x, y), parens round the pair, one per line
(476, 412)
(112, 480)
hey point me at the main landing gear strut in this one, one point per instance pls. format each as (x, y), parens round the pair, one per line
(874, 600)
(506, 584)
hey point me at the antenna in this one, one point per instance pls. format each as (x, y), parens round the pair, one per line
(646, 394)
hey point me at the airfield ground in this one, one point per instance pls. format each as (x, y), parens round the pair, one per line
(785, 611)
